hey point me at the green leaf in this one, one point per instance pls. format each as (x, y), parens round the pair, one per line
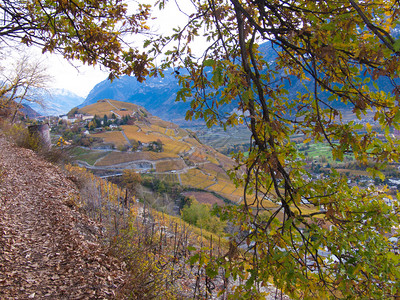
(396, 45)
(193, 259)
(211, 271)
(217, 77)
(209, 63)
(146, 43)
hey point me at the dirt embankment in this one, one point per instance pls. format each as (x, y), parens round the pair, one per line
(48, 249)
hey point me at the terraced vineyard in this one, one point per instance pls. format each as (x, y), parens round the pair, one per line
(183, 159)
(108, 107)
(112, 137)
(196, 178)
(115, 158)
(168, 177)
(170, 165)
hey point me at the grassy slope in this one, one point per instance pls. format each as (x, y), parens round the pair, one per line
(107, 107)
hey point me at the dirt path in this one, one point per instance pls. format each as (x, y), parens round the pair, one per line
(126, 138)
(48, 250)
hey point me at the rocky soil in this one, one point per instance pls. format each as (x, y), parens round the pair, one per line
(48, 249)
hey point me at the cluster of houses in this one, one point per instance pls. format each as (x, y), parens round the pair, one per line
(54, 120)
(76, 117)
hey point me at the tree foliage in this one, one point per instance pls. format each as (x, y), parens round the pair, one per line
(85, 30)
(131, 180)
(325, 238)
(200, 215)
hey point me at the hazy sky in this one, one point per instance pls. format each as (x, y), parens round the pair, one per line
(78, 79)
(81, 79)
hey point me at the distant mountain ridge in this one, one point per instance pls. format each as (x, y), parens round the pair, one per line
(29, 112)
(56, 102)
(158, 94)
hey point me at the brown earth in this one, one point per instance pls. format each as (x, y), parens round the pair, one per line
(205, 198)
(48, 249)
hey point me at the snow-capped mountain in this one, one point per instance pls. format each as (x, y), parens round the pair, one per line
(56, 102)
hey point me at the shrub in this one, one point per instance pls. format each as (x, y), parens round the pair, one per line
(200, 215)
(54, 155)
(131, 180)
(123, 148)
(19, 134)
(150, 271)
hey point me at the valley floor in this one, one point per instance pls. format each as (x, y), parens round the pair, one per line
(47, 248)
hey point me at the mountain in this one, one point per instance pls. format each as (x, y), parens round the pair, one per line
(29, 112)
(158, 94)
(57, 102)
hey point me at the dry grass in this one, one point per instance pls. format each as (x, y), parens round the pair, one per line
(229, 188)
(144, 136)
(238, 192)
(126, 105)
(226, 162)
(215, 170)
(124, 157)
(99, 108)
(198, 157)
(123, 113)
(182, 132)
(102, 108)
(157, 121)
(153, 133)
(113, 137)
(157, 128)
(170, 132)
(218, 187)
(174, 147)
(165, 166)
(196, 178)
(204, 185)
(130, 128)
(193, 142)
(212, 160)
(144, 127)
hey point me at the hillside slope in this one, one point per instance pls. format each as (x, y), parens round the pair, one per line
(48, 249)
(183, 158)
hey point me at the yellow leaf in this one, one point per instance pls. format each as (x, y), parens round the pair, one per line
(369, 127)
